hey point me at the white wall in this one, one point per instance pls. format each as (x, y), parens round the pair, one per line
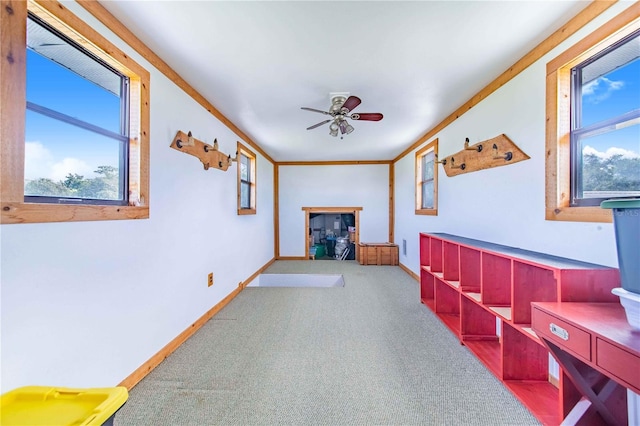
(365, 186)
(85, 304)
(505, 205)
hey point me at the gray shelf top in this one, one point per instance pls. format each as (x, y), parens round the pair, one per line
(518, 253)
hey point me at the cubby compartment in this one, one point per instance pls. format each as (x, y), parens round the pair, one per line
(425, 247)
(451, 262)
(531, 283)
(426, 287)
(524, 358)
(436, 255)
(469, 270)
(496, 280)
(478, 332)
(483, 292)
(525, 371)
(447, 305)
(476, 322)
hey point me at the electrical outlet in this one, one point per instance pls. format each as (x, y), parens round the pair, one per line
(210, 280)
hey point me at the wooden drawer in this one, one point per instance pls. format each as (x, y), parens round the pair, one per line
(619, 363)
(562, 334)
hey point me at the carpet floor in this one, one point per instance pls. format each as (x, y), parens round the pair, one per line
(367, 353)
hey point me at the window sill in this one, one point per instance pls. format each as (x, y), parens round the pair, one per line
(428, 212)
(579, 214)
(246, 211)
(43, 213)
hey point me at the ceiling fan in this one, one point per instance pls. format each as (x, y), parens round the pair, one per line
(340, 110)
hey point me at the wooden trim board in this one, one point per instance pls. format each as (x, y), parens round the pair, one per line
(141, 372)
(276, 210)
(392, 206)
(337, 210)
(334, 163)
(292, 258)
(410, 272)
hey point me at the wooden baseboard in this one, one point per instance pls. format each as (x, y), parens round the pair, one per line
(246, 282)
(156, 359)
(409, 271)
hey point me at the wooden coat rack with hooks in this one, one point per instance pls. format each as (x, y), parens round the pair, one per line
(209, 155)
(494, 152)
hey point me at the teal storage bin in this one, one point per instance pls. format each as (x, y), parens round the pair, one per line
(319, 250)
(626, 223)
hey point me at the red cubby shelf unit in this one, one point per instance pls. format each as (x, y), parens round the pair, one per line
(483, 292)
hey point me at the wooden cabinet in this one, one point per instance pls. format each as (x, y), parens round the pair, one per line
(483, 293)
(378, 254)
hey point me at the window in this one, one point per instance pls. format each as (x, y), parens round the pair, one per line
(77, 129)
(593, 122)
(246, 180)
(427, 179)
(75, 121)
(605, 124)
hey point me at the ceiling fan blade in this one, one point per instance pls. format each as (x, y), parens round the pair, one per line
(319, 124)
(367, 116)
(351, 103)
(315, 110)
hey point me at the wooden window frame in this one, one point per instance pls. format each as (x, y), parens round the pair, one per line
(243, 150)
(558, 113)
(13, 105)
(432, 146)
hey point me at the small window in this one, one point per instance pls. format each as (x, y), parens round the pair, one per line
(605, 124)
(427, 179)
(246, 180)
(593, 122)
(77, 130)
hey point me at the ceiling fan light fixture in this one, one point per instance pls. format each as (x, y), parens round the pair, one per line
(333, 129)
(349, 128)
(342, 124)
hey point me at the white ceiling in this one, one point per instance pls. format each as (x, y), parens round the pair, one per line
(416, 62)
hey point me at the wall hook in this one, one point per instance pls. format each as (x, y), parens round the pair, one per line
(453, 165)
(507, 156)
(208, 148)
(189, 142)
(466, 146)
(443, 162)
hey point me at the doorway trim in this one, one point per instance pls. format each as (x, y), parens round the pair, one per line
(338, 210)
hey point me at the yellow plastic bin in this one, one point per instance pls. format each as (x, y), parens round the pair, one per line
(43, 405)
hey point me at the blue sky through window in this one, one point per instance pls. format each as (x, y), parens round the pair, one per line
(610, 95)
(54, 148)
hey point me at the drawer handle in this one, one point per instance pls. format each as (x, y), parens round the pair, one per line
(559, 331)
